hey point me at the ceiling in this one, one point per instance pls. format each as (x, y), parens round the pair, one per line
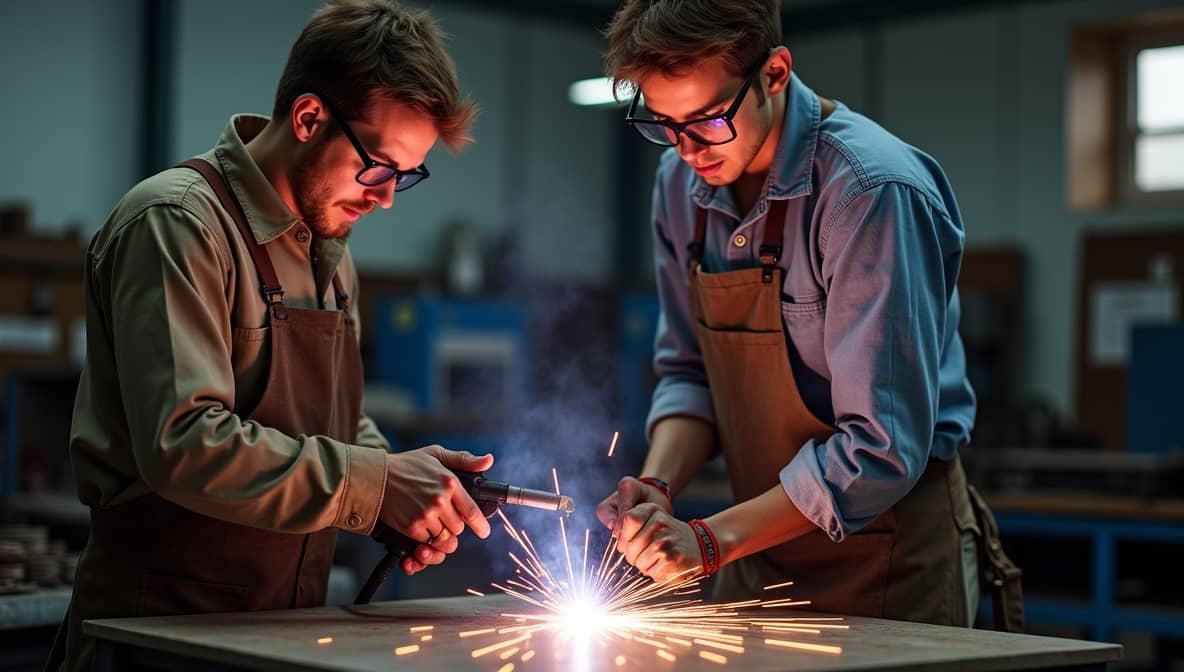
(798, 16)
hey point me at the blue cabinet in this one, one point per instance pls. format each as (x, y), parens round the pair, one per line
(1100, 612)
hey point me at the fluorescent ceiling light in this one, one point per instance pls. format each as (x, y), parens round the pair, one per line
(598, 91)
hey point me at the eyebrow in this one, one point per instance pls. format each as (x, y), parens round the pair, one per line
(701, 112)
(377, 155)
(380, 156)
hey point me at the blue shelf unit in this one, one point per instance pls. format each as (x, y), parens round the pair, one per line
(453, 356)
(635, 369)
(1101, 614)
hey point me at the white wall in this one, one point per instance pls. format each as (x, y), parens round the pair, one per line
(70, 91)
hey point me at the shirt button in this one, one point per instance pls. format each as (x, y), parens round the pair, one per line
(740, 240)
(302, 235)
(354, 520)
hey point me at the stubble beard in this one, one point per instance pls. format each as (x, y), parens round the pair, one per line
(312, 193)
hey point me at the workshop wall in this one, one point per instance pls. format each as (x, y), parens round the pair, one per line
(982, 91)
(70, 82)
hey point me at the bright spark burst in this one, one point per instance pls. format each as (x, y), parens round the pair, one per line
(611, 603)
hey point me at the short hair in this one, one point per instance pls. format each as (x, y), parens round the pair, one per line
(671, 36)
(352, 50)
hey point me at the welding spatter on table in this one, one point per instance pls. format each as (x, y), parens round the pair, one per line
(489, 496)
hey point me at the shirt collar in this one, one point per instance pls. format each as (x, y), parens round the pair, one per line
(791, 174)
(267, 215)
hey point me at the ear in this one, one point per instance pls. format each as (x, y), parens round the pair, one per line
(777, 70)
(307, 116)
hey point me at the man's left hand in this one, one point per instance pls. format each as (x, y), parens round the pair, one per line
(656, 543)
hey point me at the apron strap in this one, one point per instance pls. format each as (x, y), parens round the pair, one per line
(695, 247)
(774, 233)
(1001, 575)
(770, 250)
(341, 295)
(269, 282)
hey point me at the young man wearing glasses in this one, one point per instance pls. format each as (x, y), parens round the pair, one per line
(806, 265)
(218, 435)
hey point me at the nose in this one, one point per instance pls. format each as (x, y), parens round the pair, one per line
(382, 195)
(688, 149)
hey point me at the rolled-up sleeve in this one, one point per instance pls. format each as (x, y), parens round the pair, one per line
(164, 281)
(678, 364)
(889, 263)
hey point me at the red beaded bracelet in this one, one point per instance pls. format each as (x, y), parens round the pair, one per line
(659, 484)
(708, 546)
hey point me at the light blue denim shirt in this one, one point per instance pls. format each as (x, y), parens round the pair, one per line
(872, 247)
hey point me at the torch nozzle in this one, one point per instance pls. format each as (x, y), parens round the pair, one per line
(504, 493)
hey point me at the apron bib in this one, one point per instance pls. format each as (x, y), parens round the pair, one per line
(908, 563)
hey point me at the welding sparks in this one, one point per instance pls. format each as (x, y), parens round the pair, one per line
(804, 646)
(609, 602)
(325, 640)
(612, 446)
(713, 657)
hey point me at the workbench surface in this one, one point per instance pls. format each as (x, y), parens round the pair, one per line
(367, 637)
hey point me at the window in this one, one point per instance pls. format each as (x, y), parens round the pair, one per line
(1157, 131)
(1124, 112)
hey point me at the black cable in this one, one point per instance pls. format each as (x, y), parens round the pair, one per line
(378, 576)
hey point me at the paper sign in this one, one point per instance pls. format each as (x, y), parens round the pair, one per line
(1115, 307)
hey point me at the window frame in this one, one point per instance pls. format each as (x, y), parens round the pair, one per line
(1127, 121)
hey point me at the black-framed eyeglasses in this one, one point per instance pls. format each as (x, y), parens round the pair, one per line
(714, 130)
(374, 173)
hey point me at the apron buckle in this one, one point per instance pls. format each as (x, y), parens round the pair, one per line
(770, 254)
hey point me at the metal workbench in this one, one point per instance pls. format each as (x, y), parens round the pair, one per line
(370, 638)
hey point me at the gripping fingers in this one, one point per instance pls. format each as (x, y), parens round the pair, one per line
(445, 542)
(411, 566)
(636, 531)
(607, 512)
(470, 513)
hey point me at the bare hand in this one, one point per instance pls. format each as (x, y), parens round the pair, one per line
(629, 493)
(424, 500)
(658, 544)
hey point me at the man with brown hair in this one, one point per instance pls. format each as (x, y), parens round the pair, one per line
(218, 434)
(806, 265)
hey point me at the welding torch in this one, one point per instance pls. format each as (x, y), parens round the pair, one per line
(489, 496)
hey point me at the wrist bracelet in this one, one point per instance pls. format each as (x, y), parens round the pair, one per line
(659, 484)
(708, 546)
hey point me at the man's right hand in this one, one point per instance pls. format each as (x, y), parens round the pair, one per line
(629, 493)
(424, 500)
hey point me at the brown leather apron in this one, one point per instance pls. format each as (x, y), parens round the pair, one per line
(150, 557)
(907, 563)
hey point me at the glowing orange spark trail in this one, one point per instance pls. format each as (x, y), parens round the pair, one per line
(612, 446)
(613, 602)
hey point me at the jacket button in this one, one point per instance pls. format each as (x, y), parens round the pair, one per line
(302, 235)
(740, 240)
(354, 520)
